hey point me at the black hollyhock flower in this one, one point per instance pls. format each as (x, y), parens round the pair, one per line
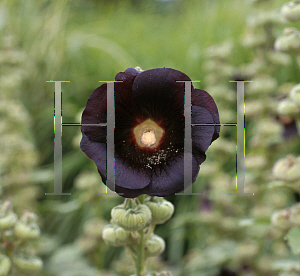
(149, 131)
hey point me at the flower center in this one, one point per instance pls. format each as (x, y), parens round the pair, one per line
(148, 134)
(148, 138)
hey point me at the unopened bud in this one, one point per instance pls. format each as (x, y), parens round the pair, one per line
(7, 217)
(5, 265)
(131, 216)
(262, 84)
(93, 228)
(291, 11)
(287, 169)
(247, 249)
(161, 209)
(27, 228)
(115, 235)
(287, 107)
(281, 219)
(289, 273)
(295, 94)
(289, 42)
(154, 246)
(295, 214)
(30, 264)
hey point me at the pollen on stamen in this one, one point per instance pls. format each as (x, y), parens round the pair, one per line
(148, 138)
(148, 134)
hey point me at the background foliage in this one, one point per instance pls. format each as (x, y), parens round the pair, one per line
(92, 40)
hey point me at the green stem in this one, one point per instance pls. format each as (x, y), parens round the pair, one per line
(140, 266)
(150, 231)
(140, 263)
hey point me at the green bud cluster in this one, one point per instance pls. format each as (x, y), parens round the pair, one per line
(132, 226)
(5, 265)
(281, 219)
(131, 216)
(295, 214)
(287, 169)
(290, 106)
(17, 254)
(291, 11)
(26, 227)
(154, 246)
(289, 42)
(115, 235)
(286, 218)
(161, 209)
(295, 94)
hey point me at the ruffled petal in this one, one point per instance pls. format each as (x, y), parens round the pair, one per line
(95, 112)
(166, 182)
(95, 151)
(171, 180)
(131, 178)
(156, 92)
(202, 99)
(202, 135)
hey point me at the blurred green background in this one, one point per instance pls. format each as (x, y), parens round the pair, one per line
(85, 41)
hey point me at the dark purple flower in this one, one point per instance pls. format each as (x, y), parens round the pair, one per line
(149, 131)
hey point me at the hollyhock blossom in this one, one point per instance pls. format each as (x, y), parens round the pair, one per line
(149, 131)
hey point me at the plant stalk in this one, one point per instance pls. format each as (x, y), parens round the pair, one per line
(140, 263)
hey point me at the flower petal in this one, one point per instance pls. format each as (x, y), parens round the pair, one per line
(95, 112)
(166, 182)
(202, 99)
(131, 178)
(202, 135)
(95, 151)
(125, 176)
(156, 92)
(171, 180)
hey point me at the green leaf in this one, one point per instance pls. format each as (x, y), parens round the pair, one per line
(293, 239)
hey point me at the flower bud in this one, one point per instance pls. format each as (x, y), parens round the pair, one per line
(289, 42)
(5, 265)
(154, 246)
(93, 228)
(260, 19)
(222, 51)
(287, 169)
(252, 39)
(27, 228)
(115, 235)
(289, 273)
(255, 162)
(295, 214)
(287, 107)
(29, 264)
(7, 217)
(295, 94)
(247, 249)
(281, 219)
(130, 216)
(262, 84)
(161, 209)
(268, 127)
(278, 58)
(291, 11)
